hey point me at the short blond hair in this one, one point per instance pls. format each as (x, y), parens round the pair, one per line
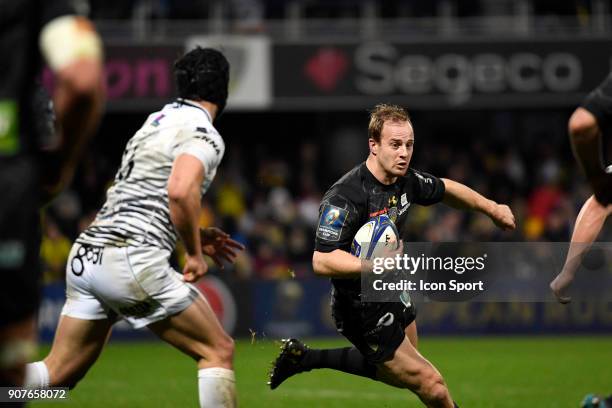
(385, 113)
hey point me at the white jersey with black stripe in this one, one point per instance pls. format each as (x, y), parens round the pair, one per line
(136, 211)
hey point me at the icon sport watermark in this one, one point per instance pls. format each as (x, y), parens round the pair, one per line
(488, 272)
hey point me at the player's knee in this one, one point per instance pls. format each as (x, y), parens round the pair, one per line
(228, 348)
(582, 124)
(224, 349)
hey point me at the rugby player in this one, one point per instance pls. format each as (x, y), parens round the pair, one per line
(119, 266)
(384, 335)
(586, 126)
(31, 171)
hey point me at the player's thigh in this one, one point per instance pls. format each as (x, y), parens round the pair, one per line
(407, 369)
(197, 332)
(76, 346)
(411, 333)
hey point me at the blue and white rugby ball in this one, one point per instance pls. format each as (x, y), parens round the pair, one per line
(374, 236)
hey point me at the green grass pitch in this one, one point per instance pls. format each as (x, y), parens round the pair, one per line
(481, 372)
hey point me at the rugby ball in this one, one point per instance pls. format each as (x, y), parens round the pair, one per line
(375, 236)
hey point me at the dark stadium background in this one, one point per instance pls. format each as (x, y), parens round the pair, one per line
(284, 149)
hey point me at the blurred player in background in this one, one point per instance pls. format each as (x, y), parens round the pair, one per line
(119, 266)
(31, 172)
(384, 334)
(586, 126)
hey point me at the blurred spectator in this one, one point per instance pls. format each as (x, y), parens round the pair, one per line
(230, 200)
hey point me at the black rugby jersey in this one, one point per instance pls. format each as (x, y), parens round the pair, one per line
(359, 196)
(21, 22)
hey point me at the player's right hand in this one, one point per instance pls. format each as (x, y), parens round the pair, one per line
(502, 217)
(391, 252)
(194, 268)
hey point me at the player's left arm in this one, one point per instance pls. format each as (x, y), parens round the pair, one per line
(462, 197)
(185, 206)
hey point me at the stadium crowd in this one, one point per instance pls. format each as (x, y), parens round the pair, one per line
(271, 9)
(250, 16)
(268, 199)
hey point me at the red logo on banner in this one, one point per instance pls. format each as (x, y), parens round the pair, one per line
(326, 68)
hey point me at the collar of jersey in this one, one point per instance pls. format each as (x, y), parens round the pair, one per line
(370, 176)
(194, 104)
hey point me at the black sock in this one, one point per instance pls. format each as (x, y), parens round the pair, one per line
(347, 359)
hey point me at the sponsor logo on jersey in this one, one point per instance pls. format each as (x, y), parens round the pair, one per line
(372, 336)
(331, 222)
(379, 212)
(386, 320)
(207, 139)
(157, 119)
(427, 180)
(404, 208)
(332, 216)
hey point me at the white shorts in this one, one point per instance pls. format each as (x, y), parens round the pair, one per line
(136, 283)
